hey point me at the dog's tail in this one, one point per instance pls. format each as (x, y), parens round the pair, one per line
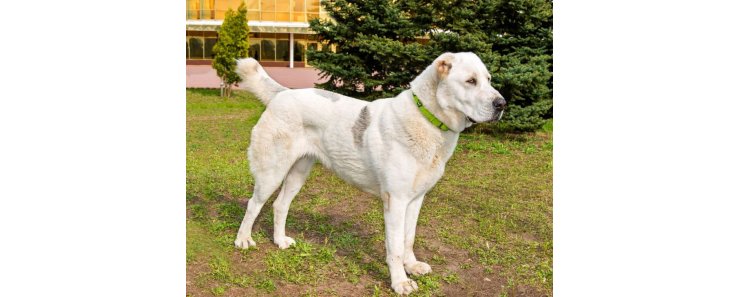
(256, 80)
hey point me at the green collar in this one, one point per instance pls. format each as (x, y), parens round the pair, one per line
(428, 114)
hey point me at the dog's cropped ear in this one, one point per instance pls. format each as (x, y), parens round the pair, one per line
(444, 64)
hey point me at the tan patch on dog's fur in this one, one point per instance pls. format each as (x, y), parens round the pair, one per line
(444, 64)
(386, 197)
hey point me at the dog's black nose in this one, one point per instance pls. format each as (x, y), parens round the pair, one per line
(499, 103)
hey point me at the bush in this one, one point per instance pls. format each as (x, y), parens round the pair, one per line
(232, 44)
(379, 49)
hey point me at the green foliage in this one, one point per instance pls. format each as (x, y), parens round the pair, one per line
(299, 264)
(232, 44)
(383, 44)
(266, 284)
(368, 35)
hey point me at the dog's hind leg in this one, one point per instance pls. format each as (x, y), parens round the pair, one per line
(264, 185)
(291, 185)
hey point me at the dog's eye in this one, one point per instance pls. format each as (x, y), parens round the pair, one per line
(471, 81)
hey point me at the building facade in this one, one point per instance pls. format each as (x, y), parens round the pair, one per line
(279, 33)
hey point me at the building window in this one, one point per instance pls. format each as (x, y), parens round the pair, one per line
(268, 49)
(208, 48)
(254, 48)
(268, 10)
(196, 47)
(312, 8)
(282, 11)
(193, 9)
(257, 10)
(299, 11)
(299, 50)
(283, 50)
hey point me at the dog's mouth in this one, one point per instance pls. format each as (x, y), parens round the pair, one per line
(500, 115)
(496, 117)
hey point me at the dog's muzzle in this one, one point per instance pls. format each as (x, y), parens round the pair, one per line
(498, 111)
(498, 106)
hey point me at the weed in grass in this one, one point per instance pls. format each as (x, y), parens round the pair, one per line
(451, 278)
(260, 237)
(353, 271)
(218, 290)
(220, 269)
(198, 212)
(266, 285)
(310, 293)
(376, 291)
(428, 284)
(226, 240)
(476, 146)
(300, 264)
(230, 212)
(499, 148)
(243, 281)
(547, 146)
(378, 268)
(346, 241)
(319, 200)
(217, 227)
(200, 244)
(374, 217)
(438, 260)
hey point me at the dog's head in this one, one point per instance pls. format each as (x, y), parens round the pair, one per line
(465, 86)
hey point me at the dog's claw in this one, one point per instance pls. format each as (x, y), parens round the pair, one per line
(284, 242)
(244, 243)
(405, 287)
(417, 268)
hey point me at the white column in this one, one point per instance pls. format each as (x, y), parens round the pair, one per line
(291, 50)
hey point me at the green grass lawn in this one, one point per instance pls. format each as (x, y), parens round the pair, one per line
(485, 228)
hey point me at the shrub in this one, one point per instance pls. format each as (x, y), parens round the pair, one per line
(232, 44)
(380, 48)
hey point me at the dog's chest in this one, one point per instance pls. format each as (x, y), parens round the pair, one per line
(432, 153)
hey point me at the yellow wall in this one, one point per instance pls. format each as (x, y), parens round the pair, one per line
(257, 10)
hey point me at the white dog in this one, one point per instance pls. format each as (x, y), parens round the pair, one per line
(395, 148)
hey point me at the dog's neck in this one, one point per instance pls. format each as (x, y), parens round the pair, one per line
(425, 87)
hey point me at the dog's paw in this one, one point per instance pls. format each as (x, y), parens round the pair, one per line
(417, 268)
(405, 287)
(244, 243)
(284, 242)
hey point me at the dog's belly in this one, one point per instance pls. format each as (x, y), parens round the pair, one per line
(350, 167)
(336, 151)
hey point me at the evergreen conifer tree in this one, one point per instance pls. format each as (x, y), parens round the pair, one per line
(379, 49)
(232, 44)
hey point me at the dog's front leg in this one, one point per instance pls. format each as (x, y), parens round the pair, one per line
(410, 262)
(394, 213)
